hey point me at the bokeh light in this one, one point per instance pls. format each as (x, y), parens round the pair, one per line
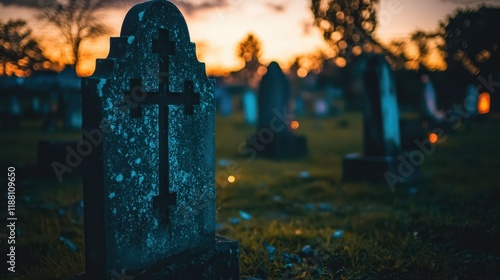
(433, 138)
(483, 104)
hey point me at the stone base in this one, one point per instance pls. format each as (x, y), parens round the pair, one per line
(357, 167)
(217, 261)
(284, 147)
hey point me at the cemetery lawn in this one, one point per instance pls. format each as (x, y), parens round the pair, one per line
(445, 227)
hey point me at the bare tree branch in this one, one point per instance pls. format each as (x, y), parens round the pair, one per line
(75, 21)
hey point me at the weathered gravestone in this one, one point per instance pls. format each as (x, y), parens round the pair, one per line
(72, 118)
(149, 182)
(274, 138)
(250, 106)
(381, 159)
(429, 108)
(225, 101)
(471, 100)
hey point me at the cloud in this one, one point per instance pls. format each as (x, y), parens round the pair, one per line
(189, 7)
(307, 27)
(278, 8)
(21, 3)
(473, 2)
(186, 6)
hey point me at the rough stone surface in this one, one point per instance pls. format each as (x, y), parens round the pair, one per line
(149, 182)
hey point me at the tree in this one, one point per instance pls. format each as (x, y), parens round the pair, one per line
(420, 49)
(347, 24)
(250, 51)
(472, 40)
(20, 53)
(75, 21)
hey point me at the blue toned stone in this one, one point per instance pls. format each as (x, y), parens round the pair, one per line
(149, 181)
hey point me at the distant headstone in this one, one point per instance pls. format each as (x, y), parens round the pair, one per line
(471, 100)
(381, 137)
(334, 99)
(250, 106)
(15, 106)
(299, 106)
(274, 138)
(72, 118)
(12, 117)
(149, 181)
(430, 110)
(321, 108)
(49, 119)
(35, 105)
(224, 101)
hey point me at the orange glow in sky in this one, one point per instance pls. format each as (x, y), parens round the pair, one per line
(285, 28)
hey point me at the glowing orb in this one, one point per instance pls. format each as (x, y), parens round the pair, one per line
(231, 179)
(302, 72)
(483, 103)
(294, 125)
(433, 138)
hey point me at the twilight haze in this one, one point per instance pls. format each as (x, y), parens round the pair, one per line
(285, 28)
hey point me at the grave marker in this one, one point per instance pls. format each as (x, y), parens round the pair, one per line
(381, 136)
(274, 138)
(149, 181)
(429, 109)
(250, 106)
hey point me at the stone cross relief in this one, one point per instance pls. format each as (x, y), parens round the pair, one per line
(164, 48)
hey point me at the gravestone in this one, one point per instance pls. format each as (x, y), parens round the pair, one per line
(35, 105)
(471, 100)
(49, 118)
(224, 101)
(381, 137)
(72, 118)
(299, 106)
(149, 120)
(250, 106)
(321, 108)
(429, 109)
(274, 138)
(14, 112)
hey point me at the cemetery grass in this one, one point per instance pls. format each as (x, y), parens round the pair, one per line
(444, 227)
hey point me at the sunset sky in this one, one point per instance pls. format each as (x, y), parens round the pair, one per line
(284, 27)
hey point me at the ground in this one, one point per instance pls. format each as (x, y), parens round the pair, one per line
(297, 219)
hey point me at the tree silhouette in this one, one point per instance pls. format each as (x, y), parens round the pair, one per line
(75, 21)
(347, 25)
(472, 40)
(418, 49)
(20, 53)
(250, 51)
